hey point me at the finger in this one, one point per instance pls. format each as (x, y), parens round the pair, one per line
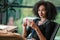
(24, 25)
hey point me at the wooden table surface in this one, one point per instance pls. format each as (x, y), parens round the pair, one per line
(10, 34)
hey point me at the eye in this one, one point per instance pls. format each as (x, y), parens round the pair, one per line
(43, 9)
(38, 9)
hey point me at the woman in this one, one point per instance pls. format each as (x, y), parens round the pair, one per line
(41, 29)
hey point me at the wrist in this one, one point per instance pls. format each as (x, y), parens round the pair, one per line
(36, 28)
(24, 28)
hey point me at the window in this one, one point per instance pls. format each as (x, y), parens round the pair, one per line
(19, 14)
(22, 8)
(19, 9)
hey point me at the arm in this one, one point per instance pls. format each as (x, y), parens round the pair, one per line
(38, 31)
(24, 32)
(40, 35)
(48, 32)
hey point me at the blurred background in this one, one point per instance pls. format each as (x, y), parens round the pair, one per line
(18, 9)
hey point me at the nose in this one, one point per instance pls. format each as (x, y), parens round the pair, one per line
(40, 12)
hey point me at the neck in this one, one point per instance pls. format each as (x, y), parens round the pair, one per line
(43, 19)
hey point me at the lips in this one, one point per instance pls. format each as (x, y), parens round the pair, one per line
(41, 14)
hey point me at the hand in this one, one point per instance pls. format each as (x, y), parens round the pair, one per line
(31, 24)
(33, 39)
(24, 26)
(25, 23)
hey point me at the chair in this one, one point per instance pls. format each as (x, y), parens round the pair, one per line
(55, 32)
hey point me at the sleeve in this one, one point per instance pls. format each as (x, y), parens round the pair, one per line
(49, 30)
(28, 30)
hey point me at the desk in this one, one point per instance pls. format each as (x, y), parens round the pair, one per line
(10, 36)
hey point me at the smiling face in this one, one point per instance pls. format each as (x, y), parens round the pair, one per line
(42, 11)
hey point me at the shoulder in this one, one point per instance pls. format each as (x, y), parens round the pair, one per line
(51, 24)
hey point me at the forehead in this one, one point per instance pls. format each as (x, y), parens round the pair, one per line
(41, 7)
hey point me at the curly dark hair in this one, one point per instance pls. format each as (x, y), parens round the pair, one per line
(51, 11)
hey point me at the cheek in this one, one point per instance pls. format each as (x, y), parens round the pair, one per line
(44, 13)
(38, 12)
